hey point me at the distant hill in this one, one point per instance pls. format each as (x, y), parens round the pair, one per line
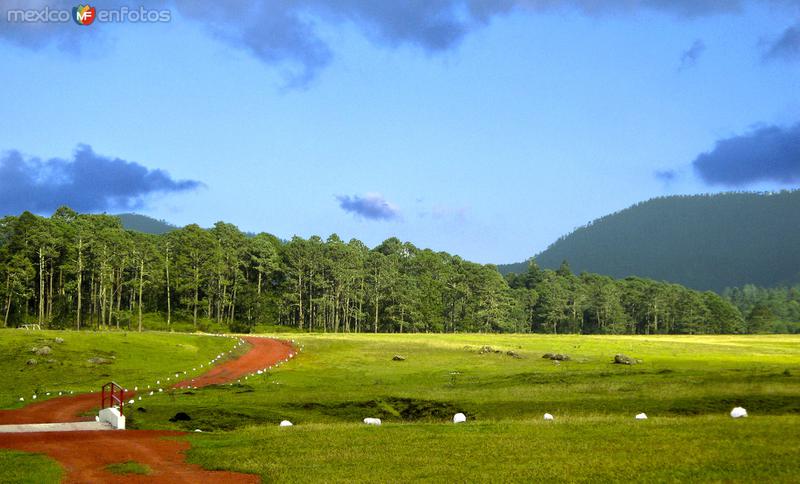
(703, 241)
(143, 223)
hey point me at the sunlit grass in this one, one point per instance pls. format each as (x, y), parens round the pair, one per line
(131, 359)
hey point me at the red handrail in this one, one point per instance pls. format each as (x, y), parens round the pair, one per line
(115, 393)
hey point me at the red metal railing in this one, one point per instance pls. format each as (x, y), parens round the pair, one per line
(114, 395)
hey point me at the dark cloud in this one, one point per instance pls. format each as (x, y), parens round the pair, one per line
(286, 32)
(666, 176)
(768, 153)
(679, 8)
(87, 183)
(690, 55)
(786, 47)
(371, 206)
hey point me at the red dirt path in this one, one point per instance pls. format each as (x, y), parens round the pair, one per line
(62, 409)
(84, 455)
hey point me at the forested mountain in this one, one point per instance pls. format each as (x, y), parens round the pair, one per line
(143, 223)
(706, 242)
(75, 270)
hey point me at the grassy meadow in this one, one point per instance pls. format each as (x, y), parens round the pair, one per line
(685, 384)
(85, 360)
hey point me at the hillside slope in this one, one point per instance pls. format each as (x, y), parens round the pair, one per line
(703, 241)
(143, 223)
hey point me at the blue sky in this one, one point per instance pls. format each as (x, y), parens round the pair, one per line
(488, 135)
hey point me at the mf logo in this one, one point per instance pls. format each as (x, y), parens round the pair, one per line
(83, 14)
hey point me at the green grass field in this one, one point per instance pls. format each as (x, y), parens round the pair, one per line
(131, 359)
(686, 385)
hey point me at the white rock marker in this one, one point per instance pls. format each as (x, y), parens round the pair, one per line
(459, 418)
(372, 421)
(285, 423)
(738, 412)
(547, 416)
(641, 416)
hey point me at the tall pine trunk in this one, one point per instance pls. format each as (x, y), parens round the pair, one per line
(141, 286)
(80, 282)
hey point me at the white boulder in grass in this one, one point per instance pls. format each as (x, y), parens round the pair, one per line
(738, 412)
(641, 416)
(197, 430)
(459, 418)
(285, 423)
(131, 401)
(372, 421)
(547, 416)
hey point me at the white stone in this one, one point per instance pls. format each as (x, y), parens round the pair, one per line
(34, 397)
(131, 401)
(372, 421)
(197, 430)
(112, 416)
(641, 416)
(738, 412)
(286, 423)
(547, 416)
(459, 418)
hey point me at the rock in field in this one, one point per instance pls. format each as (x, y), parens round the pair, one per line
(398, 358)
(556, 357)
(99, 361)
(59, 340)
(44, 350)
(32, 361)
(180, 416)
(621, 359)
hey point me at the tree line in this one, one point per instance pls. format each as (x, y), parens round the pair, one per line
(774, 309)
(79, 270)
